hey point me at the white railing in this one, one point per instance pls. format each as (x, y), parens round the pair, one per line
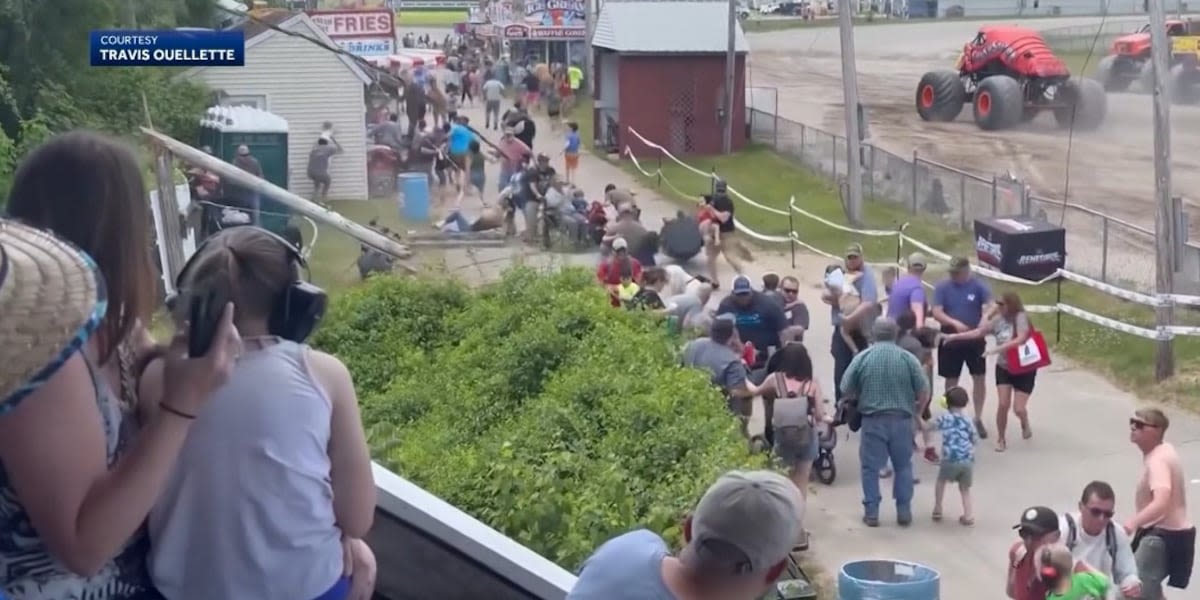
(793, 211)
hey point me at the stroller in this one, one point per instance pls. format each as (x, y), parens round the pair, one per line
(824, 468)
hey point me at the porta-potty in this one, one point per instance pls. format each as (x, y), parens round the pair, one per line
(887, 580)
(413, 189)
(224, 128)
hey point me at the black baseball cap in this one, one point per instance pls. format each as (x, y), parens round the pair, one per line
(1038, 521)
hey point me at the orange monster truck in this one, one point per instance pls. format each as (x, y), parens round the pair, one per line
(1129, 57)
(1009, 75)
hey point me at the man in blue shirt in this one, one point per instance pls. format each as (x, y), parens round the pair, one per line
(960, 303)
(908, 293)
(869, 293)
(458, 145)
(759, 319)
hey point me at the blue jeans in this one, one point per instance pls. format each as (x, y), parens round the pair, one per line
(883, 437)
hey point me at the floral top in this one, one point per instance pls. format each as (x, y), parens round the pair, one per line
(29, 572)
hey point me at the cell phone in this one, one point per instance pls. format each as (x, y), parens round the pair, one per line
(204, 318)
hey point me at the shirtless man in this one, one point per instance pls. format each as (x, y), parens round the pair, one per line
(1164, 538)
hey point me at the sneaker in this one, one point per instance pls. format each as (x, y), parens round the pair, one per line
(931, 456)
(870, 521)
(979, 428)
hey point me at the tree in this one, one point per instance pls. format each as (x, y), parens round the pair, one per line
(47, 84)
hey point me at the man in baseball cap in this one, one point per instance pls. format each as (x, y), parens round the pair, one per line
(737, 543)
(961, 302)
(1038, 526)
(760, 320)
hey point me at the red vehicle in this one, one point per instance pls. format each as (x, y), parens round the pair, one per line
(1129, 57)
(1009, 75)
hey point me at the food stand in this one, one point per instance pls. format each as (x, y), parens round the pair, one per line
(537, 31)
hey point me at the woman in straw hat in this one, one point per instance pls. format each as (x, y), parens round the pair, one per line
(74, 491)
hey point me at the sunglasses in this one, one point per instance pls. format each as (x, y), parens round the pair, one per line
(1100, 513)
(1139, 425)
(791, 290)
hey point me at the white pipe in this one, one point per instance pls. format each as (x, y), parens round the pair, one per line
(301, 205)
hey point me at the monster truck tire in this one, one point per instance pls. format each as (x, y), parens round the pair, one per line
(940, 96)
(1106, 74)
(1182, 85)
(1146, 77)
(999, 103)
(1087, 105)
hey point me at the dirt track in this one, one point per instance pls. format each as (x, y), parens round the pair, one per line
(1111, 169)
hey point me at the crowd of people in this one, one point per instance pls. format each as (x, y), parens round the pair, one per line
(891, 337)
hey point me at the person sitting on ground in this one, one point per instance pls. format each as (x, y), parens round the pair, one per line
(627, 290)
(490, 218)
(688, 306)
(275, 472)
(625, 226)
(616, 197)
(649, 294)
(737, 543)
(1094, 538)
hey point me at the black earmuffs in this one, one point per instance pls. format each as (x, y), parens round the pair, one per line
(298, 310)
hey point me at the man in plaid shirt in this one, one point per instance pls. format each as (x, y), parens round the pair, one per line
(891, 389)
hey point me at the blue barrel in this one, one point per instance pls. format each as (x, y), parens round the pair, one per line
(413, 190)
(887, 580)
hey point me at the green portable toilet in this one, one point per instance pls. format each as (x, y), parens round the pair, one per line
(224, 128)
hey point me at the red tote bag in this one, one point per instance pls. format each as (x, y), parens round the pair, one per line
(1029, 356)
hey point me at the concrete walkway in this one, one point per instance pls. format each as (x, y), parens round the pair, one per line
(1080, 424)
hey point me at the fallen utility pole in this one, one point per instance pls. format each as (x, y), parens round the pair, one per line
(1164, 214)
(730, 79)
(314, 211)
(854, 199)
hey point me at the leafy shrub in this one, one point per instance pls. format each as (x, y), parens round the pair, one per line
(533, 405)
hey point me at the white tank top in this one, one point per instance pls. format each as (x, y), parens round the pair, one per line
(248, 511)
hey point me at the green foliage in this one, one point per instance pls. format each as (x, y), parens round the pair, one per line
(47, 85)
(533, 405)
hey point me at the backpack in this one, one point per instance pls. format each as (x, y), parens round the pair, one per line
(1110, 537)
(802, 434)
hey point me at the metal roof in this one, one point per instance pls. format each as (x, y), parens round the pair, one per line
(667, 27)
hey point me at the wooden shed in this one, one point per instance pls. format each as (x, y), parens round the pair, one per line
(307, 86)
(660, 70)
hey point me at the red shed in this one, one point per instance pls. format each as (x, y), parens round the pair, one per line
(660, 70)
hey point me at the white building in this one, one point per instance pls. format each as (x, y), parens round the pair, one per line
(307, 86)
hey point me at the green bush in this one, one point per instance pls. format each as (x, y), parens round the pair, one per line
(534, 406)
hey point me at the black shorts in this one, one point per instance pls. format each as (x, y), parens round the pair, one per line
(951, 358)
(1022, 383)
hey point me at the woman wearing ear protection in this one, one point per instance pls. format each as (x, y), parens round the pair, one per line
(276, 470)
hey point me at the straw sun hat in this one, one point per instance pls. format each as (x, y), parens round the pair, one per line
(51, 299)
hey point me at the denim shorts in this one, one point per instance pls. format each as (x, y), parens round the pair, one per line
(793, 447)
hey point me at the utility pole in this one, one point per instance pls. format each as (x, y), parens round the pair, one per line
(730, 79)
(854, 201)
(589, 57)
(1164, 217)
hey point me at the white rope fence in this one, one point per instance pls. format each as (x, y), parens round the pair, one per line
(1155, 300)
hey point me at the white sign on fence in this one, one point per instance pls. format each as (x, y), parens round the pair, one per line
(367, 48)
(339, 24)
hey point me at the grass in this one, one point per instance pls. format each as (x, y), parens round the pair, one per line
(332, 264)
(430, 18)
(1126, 360)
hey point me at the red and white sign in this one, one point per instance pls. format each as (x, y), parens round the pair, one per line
(343, 24)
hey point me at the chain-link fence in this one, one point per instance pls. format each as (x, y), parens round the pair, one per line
(1104, 247)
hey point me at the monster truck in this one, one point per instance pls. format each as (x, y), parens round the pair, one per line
(1009, 74)
(1183, 84)
(1129, 57)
